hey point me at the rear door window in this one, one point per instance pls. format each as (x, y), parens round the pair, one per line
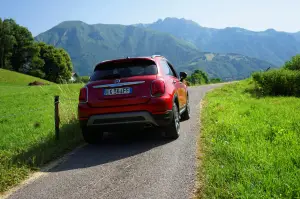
(126, 68)
(167, 69)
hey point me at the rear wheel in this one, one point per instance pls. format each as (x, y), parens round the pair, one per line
(92, 136)
(187, 113)
(172, 131)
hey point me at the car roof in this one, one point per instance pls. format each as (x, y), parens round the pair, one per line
(152, 58)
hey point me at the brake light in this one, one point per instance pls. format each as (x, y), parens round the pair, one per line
(83, 95)
(157, 88)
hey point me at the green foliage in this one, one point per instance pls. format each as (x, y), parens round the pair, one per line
(58, 65)
(293, 64)
(285, 81)
(198, 77)
(7, 41)
(27, 126)
(278, 82)
(83, 79)
(249, 146)
(215, 80)
(19, 52)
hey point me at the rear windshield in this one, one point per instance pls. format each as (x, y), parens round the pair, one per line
(128, 68)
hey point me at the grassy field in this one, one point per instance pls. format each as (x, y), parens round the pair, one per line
(13, 78)
(27, 126)
(249, 146)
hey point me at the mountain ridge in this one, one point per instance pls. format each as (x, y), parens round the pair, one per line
(88, 44)
(271, 45)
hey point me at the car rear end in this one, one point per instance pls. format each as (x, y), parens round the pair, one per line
(125, 93)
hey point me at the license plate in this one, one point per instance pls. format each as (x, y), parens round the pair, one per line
(117, 91)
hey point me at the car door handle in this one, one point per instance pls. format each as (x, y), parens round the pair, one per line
(174, 81)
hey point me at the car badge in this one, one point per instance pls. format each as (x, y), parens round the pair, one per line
(117, 81)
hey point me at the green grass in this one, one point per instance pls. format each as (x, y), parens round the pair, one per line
(27, 128)
(249, 146)
(13, 78)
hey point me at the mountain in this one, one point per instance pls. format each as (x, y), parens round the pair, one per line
(90, 44)
(270, 45)
(297, 36)
(229, 66)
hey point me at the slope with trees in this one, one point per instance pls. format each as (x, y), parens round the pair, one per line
(21, 53)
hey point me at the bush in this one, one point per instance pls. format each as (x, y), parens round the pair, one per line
(215, 80)
(278, 82)
(293, 64)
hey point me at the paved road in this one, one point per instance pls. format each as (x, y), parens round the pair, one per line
(136, 166)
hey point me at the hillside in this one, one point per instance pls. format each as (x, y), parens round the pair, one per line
(297, 36)
(90, 44)
(270, 45)
(228, 66)
(8, 77)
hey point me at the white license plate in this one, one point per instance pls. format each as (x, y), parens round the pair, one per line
(117, 91)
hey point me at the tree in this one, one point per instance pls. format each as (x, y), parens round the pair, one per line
(57, 63)
(24, 49)
(215, 80)
(198, 77)
(19, 52)
(7, 42)
(293, 64)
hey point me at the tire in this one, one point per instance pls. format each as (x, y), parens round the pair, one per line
(186, 115)
(92, 136)
(172, 131)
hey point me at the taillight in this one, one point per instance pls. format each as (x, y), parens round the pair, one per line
(83, 95)
(157, 88)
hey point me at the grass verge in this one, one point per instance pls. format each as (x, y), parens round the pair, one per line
(249, 146)
(27, 128)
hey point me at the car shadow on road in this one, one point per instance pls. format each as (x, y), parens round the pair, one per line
(115, 146)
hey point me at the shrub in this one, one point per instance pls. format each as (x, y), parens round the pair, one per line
(293, 64)
(215, 80)
(278, 82)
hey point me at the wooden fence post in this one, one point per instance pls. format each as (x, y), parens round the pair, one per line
(56, 116)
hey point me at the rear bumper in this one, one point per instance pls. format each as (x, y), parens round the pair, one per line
(127, 119)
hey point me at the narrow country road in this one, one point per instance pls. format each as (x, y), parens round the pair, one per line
(136, 166)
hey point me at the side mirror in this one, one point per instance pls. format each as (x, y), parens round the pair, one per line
(182, 75)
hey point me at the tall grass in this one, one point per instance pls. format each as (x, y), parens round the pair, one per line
(250, 146)
(27, 128)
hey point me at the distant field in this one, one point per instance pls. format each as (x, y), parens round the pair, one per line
(249, 147)
(13, 78)
(27, 127)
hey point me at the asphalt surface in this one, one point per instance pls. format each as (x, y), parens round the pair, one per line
(139, 165)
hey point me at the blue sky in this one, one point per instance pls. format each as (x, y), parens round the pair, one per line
(258, 15)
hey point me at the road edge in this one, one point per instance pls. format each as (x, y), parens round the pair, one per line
(41, 173)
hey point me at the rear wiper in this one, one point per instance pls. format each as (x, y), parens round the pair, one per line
(111, 76)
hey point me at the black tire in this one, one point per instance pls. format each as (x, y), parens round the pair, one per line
(92, 136)
(186, 115)
(172, 131)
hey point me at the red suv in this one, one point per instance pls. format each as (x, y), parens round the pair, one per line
(132, 94)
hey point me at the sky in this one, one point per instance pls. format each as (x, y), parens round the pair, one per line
(258, 15)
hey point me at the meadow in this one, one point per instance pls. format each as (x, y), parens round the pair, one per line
(249, 145)
(27, 136)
